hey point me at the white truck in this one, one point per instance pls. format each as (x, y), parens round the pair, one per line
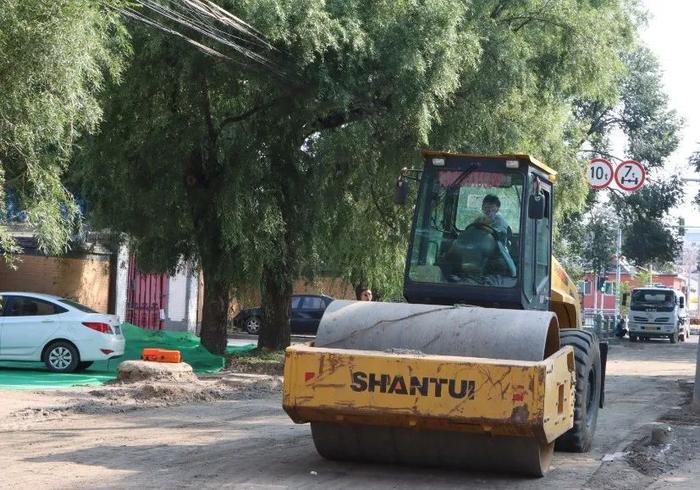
(658, 311)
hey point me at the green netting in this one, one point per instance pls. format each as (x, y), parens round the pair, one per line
(33, 375)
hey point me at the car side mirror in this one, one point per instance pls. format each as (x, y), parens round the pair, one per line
(536, 206)
(624, 299)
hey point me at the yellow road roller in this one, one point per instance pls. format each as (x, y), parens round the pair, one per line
(486, 366)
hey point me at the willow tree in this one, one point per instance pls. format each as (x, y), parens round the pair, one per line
(652, 130)
(537, 60)
(54, 59)
(275, 156)
(217, 161)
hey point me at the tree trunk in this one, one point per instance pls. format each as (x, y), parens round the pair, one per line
(276, 290)
(217, 299)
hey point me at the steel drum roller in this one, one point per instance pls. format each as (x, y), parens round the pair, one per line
(438, 330)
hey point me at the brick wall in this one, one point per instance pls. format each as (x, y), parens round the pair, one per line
(85, 280)
(334, 287)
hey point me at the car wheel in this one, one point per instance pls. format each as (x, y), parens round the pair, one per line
(253, 325)
(673, 338)
(633, 338)
(82, 366)
(61, 357)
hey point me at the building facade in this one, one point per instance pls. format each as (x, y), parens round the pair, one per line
(603, 299)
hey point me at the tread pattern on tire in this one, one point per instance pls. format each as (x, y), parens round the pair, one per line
(586, 351)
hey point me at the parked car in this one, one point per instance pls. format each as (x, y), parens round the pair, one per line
(66, 336)
(307, 310)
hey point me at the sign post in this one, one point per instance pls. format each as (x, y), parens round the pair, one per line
(629, 176)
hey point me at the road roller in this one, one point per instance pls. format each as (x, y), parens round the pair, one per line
(486, 365)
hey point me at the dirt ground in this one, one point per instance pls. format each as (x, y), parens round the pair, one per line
(229, 431)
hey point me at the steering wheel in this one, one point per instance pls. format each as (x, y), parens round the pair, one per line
(501, 250)
(485, 227)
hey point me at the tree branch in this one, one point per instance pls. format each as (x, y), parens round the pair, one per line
(527, 19)
(206, 109)
(598, 124)
(345, 116)
(498, 9)
(382, 215)
(250, 112)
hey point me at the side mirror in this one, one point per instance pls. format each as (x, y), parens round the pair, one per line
(624, 299)
(402, 188)
(681, 302)
(536, 206)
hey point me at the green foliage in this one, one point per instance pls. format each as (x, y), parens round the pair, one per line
(652, 130)
(263, 177)
(694, 161)
(647, 237)
(54, 57)
(644, 277)
(647, 242)
(599, 242)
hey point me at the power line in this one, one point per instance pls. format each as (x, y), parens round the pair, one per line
(234, 39)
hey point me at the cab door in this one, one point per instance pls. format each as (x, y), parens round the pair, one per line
(537, 266)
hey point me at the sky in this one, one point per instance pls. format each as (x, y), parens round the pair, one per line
(672, 34)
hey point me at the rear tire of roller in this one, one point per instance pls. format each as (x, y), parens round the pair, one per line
(579, 438)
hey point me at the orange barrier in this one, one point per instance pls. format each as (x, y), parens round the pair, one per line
(161, 355)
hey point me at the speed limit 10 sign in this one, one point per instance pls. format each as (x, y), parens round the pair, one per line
(600, 173)
(630, 175)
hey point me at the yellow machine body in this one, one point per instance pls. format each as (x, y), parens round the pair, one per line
(498, 397)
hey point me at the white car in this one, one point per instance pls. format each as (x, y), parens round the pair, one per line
(63, 334)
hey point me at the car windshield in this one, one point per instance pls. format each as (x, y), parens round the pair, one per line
(77, 306)
(653, 298)
(468, 227)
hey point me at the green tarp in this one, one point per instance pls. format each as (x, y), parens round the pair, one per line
(33, 375)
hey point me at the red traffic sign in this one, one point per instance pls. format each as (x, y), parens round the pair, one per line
(600, 173)
(630, 175)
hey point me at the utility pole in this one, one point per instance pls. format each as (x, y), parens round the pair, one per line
(594, 288)
(618, 273)
(695, 405)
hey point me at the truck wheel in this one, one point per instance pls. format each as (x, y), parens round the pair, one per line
(588, 390)
(673, 338)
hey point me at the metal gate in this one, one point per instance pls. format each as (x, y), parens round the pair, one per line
(146, 298)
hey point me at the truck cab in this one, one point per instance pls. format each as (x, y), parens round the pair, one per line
(657, 312)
